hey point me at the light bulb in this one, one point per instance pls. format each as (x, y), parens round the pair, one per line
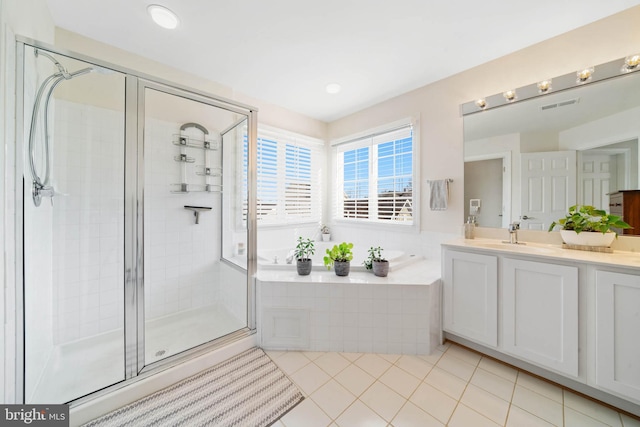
(631, 63)
(510, 95)
(544, 86)
(481, 103)
(584, 75)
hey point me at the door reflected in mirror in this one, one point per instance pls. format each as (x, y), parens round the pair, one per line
(530, 161)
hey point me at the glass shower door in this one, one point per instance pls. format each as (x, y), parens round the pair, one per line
(73, 215)
(195, 279)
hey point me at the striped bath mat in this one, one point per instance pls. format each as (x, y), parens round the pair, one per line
(246, 390)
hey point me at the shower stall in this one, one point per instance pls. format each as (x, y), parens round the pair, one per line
(135, 198)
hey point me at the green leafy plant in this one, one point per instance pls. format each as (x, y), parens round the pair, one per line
(339, 253)
(588, 218)
(375, 254)
(304, 249)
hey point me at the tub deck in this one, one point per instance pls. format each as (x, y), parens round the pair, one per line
(397, 314)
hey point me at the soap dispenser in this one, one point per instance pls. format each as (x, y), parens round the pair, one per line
(470, 227)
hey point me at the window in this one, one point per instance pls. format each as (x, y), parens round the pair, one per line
(375, 177)
(289, 169)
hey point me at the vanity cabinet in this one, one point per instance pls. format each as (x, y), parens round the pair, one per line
(470, 296)
(572, 317)
(618, 325)
(540, 313)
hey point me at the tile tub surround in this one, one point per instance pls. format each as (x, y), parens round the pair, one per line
(358, 313)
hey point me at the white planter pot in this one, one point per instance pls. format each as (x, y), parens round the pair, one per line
(326, 237)
(587, 238)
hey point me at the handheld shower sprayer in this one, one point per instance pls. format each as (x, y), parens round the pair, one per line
(41, 187)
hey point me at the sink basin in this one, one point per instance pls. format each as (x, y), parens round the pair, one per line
(522, 248)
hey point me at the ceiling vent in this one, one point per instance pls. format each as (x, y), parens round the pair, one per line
(560, 104)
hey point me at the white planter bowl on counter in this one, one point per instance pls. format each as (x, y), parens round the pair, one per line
(587, 238)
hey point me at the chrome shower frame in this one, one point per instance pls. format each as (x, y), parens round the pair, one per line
(133, 273)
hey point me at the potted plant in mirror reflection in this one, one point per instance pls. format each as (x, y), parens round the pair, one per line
(587, 226)
(303, 251)
(376, 262)
(326, 233)
(339, 257)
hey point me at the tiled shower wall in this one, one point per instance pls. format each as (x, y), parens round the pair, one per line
(181, 268)
(88, 221)
(181, 256)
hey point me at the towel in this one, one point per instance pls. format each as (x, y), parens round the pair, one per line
(439, 194)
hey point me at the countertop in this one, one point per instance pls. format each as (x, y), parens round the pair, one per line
(546, 251)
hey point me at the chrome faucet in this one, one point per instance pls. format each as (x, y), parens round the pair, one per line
(290, 256)
(513, 232)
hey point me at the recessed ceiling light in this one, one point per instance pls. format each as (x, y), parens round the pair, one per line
(163, 16)
(333, 88)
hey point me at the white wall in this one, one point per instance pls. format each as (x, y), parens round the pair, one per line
(608, 130)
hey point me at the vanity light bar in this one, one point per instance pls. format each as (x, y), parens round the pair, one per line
(601, 72)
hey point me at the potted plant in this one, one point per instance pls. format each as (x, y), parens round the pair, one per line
(326, 233)
(585, 225)
(303, 251)
(340, 257)
(376, 262)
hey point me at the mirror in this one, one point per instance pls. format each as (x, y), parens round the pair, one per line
(530, 160)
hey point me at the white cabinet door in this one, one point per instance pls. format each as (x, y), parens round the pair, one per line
(618, 330)
(470, 286)
(540, 313)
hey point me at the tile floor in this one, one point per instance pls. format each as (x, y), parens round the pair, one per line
(453, 387)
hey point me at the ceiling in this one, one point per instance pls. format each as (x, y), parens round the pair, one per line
(286, 51)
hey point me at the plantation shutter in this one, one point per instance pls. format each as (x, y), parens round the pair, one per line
(375, 177)
(289, 176)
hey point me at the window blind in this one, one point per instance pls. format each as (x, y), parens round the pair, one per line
(375, 177)
(289, 176)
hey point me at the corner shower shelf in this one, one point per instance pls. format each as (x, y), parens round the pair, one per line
(184, 188)
(190, 142)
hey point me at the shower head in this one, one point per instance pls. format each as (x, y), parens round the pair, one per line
(92, 69)
(101, 70)
(63, 72)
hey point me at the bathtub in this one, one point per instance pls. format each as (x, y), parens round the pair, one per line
(276, 259)
(398, 314)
